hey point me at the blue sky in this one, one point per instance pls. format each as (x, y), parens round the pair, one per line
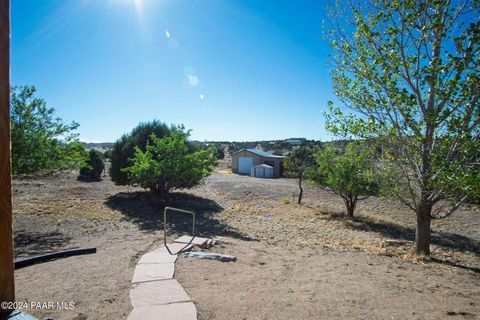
(228, 70)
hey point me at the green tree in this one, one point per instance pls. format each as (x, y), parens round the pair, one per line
(124, 148)
(93, 167)
(108, 153)
(348, 174)
(41, 142)
(296, 166)
(219, 152)
(409, 71)
(169, 163)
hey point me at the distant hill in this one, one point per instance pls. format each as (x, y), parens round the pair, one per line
(283, 146)
(101, 146)
(279, 147)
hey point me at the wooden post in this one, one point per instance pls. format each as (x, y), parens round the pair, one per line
(7, 289)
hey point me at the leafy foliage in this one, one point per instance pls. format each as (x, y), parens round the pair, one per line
(108, 154)
(410, 72)
(41, 142)
(296, 165)
(94, 166)
(348, 174)
(124, 148)
(169, 163)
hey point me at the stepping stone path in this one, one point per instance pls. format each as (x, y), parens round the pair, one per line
(201, 242)
(155, 294)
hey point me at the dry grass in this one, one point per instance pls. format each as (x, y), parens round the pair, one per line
(224, 171)
(303, 225)
(258, 208)
(69, 207)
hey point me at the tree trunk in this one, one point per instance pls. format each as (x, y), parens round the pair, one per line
(350, 210)
(422, 233)
(350, 203)
(160, 191)
(301, 191)
(424, 209)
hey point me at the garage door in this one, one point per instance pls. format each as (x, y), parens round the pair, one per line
(259, 172)
(245, 165)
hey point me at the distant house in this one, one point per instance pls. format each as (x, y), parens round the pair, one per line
(295, 141)
(250, 161)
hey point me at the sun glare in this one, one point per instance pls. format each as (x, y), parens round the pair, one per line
(138, 5)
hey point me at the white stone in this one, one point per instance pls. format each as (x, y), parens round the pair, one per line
(175, 248)
(160, 255)
(154, 293)
(174, 311)
(153, 271)
(201, 242)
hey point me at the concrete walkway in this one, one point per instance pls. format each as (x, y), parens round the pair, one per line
(155, 294)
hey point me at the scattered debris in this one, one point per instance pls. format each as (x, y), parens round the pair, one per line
(394, 243)
(210, 256)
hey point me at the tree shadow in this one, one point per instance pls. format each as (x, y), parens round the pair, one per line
(34, 243)
(455, 264)
(89, 179)
(146, 210)
(443, 239)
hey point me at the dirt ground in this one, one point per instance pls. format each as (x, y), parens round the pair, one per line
(293, 262)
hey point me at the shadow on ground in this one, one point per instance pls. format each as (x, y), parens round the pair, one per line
(34, 243)
(443, 239)
(89, 180)
(146, 210)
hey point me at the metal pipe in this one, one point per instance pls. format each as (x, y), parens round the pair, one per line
(165, 221)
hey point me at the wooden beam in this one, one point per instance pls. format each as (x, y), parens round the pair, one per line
(7, 289)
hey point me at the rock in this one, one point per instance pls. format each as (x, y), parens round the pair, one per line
(210, 256)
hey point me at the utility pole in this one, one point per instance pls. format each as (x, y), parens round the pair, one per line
(7, 289)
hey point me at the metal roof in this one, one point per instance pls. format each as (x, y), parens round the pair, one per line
(264, 153)
(263, 166)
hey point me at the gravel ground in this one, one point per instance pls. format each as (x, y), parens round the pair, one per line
(294, 262)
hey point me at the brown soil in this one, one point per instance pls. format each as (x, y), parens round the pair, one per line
(294, 262)
(295, 282)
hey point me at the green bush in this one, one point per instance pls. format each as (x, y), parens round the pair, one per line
(41, 142)
(296, 166)
(108, 154)
(124, 148)
(94, 165)
(219, 153)
(169, 163)
(348, 174)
